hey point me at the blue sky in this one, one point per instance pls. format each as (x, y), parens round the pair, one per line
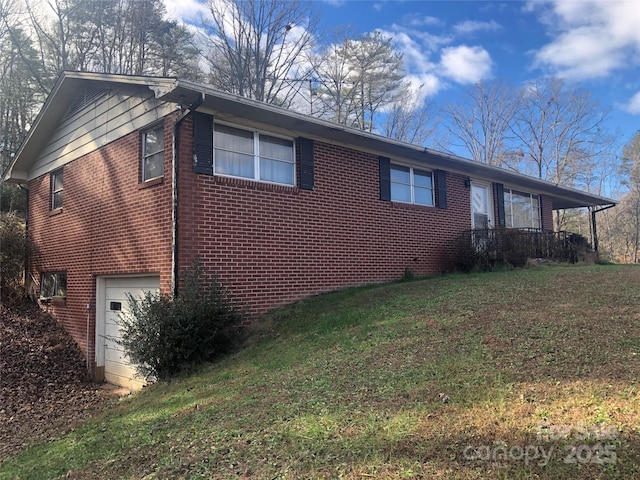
(449, 45)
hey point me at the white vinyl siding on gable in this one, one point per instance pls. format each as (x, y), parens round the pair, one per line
(104, 119)
(253, 155)
(521, 210)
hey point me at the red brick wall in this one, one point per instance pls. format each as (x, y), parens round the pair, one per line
(270, 244)
(273, 245)
(546, 204)
(108, 225)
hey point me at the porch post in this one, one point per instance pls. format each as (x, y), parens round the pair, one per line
(594, 230)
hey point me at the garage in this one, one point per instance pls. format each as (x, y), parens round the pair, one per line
(111, 360)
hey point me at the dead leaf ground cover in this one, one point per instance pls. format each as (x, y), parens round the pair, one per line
(539, 369)
(44, 386)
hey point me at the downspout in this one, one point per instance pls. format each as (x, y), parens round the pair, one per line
(26, 235)
(174, 191)
(593, 224)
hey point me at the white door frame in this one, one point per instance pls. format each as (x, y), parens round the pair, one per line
(488, 187)
(101, 295)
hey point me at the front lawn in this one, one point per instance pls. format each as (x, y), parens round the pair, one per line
(516, 375)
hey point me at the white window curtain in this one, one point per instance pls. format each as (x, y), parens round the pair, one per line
(247, 154)
(234, 152)
(276, 160)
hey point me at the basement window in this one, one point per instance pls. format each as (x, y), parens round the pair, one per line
(53, 285)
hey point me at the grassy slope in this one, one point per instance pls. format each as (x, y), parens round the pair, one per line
(348, 385)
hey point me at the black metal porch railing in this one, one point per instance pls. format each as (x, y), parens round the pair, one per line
(486, 248)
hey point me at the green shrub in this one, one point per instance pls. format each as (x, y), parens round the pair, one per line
(165, 336)
(13, 250)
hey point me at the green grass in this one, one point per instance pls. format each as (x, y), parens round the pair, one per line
(347, 385)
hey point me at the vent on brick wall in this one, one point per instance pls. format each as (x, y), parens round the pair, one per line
(84, 98)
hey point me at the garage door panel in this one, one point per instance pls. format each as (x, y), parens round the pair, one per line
(112, 330)
(117, 358)
(125, 381)
(117, 366)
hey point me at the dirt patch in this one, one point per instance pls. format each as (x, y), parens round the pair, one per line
(45, 389)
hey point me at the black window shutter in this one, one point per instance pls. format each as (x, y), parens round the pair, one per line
(202, 143)
(385, 178)
(306, 164)
(441, 188)
(500, 199)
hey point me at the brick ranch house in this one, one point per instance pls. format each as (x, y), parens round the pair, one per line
(130, 178)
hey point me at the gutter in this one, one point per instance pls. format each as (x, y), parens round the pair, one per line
(174, 190)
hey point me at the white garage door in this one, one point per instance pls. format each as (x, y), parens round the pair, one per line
(118, 370)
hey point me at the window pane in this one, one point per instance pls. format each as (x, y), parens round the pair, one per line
(521, 207)
(153, 157)
(57, 200)
(508, 221)
(276, 148)
(234, 139)
(400, 174)
(53, 285)
(61, 284)
(535, 205)
(57, 181)
(154, 141)
(422, 179)
(275, 171)
(153, 166)
(234, 164)
(423, 196)
(47, 286)
(400, 192)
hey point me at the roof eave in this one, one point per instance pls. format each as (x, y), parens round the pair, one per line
(181, 91)
(562, 197)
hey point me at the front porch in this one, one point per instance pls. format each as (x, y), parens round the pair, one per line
(485, 248)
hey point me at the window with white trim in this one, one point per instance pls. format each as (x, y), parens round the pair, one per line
(253, 155)
(521, 210)
(53, 284)
(57, 188)
(153, 153)
(410, 185)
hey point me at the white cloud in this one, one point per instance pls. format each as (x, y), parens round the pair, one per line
(471, 26)
(592, 38)
(466, 65)
(188, 11)
(425, 84)
(416, 56)
(634, 104)
(335, 3)
(424, 21)
(416, 48)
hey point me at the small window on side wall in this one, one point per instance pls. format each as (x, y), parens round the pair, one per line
(56, 189)
(153, 153)
(53, 285)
